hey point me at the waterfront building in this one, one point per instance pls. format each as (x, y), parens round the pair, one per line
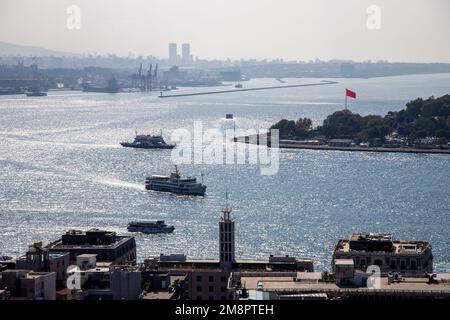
(104, 280)
(313, 286)
(29, 285)
(39, 259)
(209, 279)
(410, 258)
(107, 245)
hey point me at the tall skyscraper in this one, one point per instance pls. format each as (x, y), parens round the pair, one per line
(186, 53)
(226, 238)
(173, 57)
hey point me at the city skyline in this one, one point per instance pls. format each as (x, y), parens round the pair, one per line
(291, 30)
(126, 125)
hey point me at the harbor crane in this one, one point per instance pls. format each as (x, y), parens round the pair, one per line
(155, 76)
(148, 79)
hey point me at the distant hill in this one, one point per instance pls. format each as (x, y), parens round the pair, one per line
(10, 49)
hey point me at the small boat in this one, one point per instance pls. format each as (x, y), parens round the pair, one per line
(229, 116)
(150, 227)
(238, 86)
(35, 94)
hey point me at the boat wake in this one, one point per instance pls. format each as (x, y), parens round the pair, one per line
(119, 183)
(67, 173)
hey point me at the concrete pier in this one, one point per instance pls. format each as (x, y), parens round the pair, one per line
(324, 82)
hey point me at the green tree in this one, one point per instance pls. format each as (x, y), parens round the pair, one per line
(341, 124)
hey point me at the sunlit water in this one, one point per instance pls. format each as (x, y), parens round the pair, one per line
(62, 167)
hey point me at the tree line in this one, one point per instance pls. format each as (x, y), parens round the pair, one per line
(420, 119)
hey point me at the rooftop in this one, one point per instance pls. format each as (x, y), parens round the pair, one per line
(158, 295)
(287, 284)
(380, 243)
(213, 265)
(371, 237)
(94, 238)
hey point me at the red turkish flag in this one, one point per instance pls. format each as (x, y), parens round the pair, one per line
(350, 93)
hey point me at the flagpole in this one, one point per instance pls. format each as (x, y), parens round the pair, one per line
(345, 100)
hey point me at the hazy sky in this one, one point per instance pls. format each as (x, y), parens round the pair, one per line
(413, 30)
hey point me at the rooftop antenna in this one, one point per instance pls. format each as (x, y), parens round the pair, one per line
(226, 210)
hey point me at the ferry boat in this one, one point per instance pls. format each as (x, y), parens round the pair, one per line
(147, 227)
(175, 183)
(147, 141)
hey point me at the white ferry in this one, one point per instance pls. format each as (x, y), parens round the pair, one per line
(175, 184)
(157, 226)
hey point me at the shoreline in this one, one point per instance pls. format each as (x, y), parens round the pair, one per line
(292, 145)
(368, 149)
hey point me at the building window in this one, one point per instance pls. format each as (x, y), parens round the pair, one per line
(199, 297)
(223, 298)
(199, 288)
(211, 298)
(363, 263)
(393, 265)
(223, 279)
(402, 265)
(211, 279)
(199, 278)
(223, 289)
(211, 289)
